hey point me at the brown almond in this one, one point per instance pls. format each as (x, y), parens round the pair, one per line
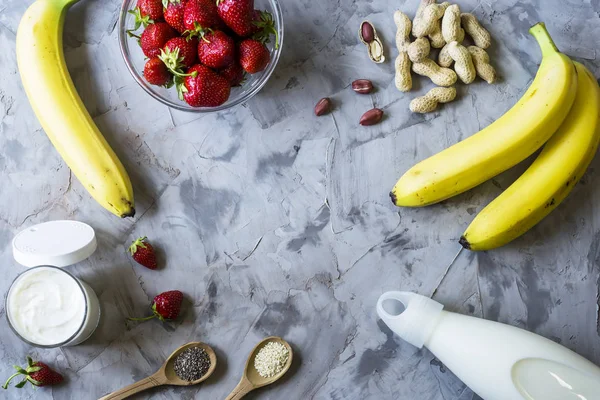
(367, 32)
(362, 86)
(323, 107)
(371, 117)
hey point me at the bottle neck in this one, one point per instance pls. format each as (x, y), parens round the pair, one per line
(411, 316)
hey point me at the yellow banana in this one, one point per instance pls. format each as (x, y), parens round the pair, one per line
(60, 110)
(508, 141)
(549, 179)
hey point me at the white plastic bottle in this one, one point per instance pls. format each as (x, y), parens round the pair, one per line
(497, 361)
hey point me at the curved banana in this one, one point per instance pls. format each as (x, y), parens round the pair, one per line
(549, 179)
(60, 110)
(508, 141)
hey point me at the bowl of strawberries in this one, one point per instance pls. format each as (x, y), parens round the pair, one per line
(201, 55)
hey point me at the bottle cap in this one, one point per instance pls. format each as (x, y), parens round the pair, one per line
(54, 243)
(409, 315)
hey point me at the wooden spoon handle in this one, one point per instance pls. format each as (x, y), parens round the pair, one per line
(134, 388)
(242, 389)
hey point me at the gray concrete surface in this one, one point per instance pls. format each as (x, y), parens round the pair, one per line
(275, 222)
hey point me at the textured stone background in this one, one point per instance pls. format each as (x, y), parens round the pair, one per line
(274, 222)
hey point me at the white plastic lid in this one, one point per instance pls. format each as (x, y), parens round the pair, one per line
(54, 243)
(409, 315)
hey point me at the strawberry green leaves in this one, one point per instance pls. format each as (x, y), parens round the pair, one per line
(266, 28)
(139, 19)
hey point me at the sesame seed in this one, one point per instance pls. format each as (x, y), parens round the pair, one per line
(271, 359)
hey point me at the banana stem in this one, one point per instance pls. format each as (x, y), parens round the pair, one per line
(540, 33)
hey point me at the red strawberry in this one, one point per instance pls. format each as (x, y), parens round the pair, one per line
(204, 87)
(216, 50)
(37, 373)
(234, 74)
(166, 305)
(254, 55)
(200, 15)
(180, 53)
(151, 8)
(157, 73)
(142, 251)
(154, 38)
(173, 13)
(237, 14)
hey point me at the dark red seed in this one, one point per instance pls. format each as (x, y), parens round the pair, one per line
(367, 32)
(362, 86)
(371, 117)
(323, 107)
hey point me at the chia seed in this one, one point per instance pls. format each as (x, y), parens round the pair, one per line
(192, 364)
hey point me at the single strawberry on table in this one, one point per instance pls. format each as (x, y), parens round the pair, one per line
(199, 16)
(254, 55)
(166, 305)
(143, 252)
(237, 15)
(216, 49)
(157, 73)
(37, 373)
(204, 87)
(154, 38)
(233, 73)
(173, 13)
(179, 53)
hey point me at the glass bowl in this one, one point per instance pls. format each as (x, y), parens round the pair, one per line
(135, 60)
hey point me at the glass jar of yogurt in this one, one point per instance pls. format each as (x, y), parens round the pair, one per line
(47, 306)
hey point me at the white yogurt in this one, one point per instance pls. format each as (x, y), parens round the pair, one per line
(48, 307)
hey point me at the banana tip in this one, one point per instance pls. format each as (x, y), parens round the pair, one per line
(130, 213)
(393, 197)
(464, 243)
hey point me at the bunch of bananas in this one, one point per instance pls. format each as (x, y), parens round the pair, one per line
(560, 109)
(60, 110)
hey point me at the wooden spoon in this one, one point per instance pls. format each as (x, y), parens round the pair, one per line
(166, 374)
(251, 379)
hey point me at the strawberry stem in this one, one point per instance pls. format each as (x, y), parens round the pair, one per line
(198, 31)
(181, 74)
(5, 386)
(141, 319)
(174, 63)
(31, 368)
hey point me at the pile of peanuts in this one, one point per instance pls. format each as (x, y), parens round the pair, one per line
(441, 26)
